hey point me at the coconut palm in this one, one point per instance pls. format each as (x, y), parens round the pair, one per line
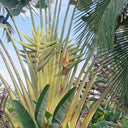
(53, 56)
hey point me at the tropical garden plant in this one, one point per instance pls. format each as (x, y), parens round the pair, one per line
(109, 116)
(106, 116)
(53, 55)
(40, 111)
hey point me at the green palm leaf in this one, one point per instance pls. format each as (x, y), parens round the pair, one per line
(24, 116)
(115, 68)
(62, 108)
(14, 6)
(98, 23)
(41, 106)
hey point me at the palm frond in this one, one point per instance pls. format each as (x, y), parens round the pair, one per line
(96, 21)
(114, 72)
